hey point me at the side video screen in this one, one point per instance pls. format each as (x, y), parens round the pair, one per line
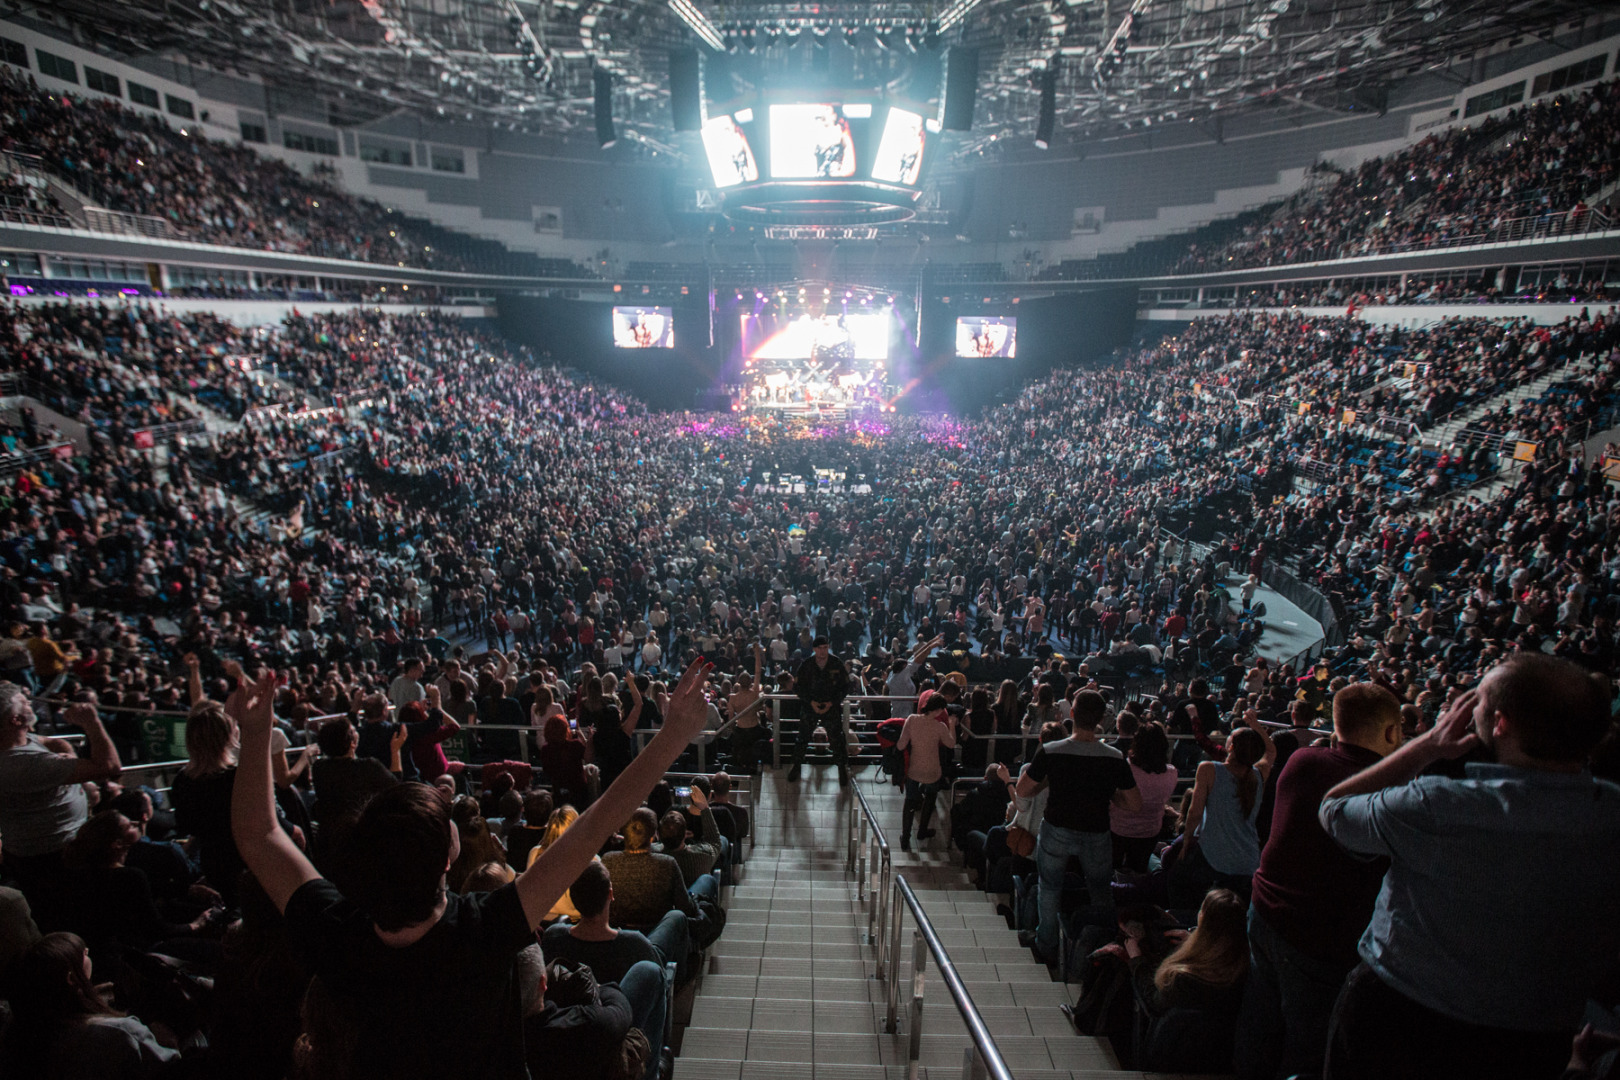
(986, 335)
(643, 328)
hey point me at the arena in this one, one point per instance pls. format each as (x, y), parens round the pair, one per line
(1020, 539)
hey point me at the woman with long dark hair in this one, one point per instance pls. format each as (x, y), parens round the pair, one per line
(63, 1028)
(981, 721)
(611, 733)
(1136, 832)
(1222, 839)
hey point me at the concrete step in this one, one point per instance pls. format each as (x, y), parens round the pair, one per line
(789, 989)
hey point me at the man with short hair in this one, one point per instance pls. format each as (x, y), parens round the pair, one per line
(408, 687)
(1086, 776)
(593, 940)
(1500, 912)
(823, 683)
(1311, 899)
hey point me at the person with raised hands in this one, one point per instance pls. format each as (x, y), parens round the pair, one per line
(388, 937)
(1500, 912)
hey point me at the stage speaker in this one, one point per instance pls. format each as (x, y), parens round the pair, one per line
(961, 87)
(1045, 126)
(686, 89)
(604, 108)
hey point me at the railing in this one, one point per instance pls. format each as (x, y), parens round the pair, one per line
(24, 215)
(882, 891)
(873, 868)
(984, 1060)
(122, 224)
(14, 462)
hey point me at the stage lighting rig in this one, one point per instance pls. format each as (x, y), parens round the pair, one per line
(698, 23)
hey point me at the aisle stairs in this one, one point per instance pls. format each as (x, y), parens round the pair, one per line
(791, 991)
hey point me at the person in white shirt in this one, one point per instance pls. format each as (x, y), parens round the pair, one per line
(651, 654)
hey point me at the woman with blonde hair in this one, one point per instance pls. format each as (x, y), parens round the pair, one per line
(559, 822)
(201, 794)
(1194, 995)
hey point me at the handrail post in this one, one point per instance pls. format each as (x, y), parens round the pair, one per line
(919, 959)
(862, 848)
(776, 723)
(891, 1021)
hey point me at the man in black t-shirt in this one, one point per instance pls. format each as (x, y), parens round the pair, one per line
(1085, 777)
(393, 944)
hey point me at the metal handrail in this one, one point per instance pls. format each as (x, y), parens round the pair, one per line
(871, 877)
(989, 1061)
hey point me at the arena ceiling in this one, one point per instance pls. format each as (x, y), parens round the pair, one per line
(1112, 64)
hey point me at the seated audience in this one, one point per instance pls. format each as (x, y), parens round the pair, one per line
(1192, 998)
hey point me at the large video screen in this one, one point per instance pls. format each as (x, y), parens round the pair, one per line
(643, 328)
(827, 338)
(900, 153)
(810, 141)
(731, 159)
(986, 335)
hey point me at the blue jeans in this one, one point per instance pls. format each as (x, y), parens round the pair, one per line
(1287, 1003)
(671, 937)
(706, 885)
(1095, 850)
(643, 987)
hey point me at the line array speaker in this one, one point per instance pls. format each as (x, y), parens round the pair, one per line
(605, 133)
(961, 87)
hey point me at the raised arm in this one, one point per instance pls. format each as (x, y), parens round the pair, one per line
(103, 763)
(438, 715)
(194, 686)
(268, 851)
(1251, 717)
(633, 716)
(556, 868)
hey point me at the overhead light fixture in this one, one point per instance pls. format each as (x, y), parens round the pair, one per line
(956, 13)
(699, 24)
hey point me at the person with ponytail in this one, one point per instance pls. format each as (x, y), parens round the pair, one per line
(1223, 843)
(1192, 998)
